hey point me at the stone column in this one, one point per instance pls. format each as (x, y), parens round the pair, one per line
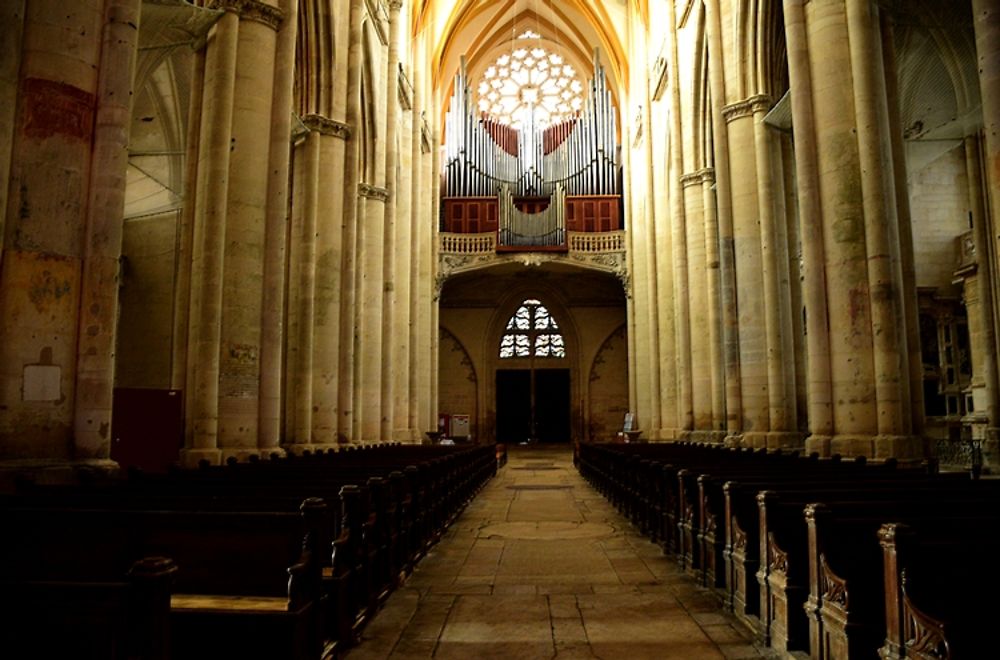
(208, 253)
(371, 245)
(302, 269)
(724, 212)
(983, 355)
(693, 304)
(46, 210)
(911, 315)
(389, 316)
(409, 155)
(882, 241)
(782, 422)
(986, 16)
(102, 245)
(327, 291)
(750, 292)
(819, 386)
(638, 387)
(275, 249)
(352, 177)
(230, 232)
(417, 221)
(670, 308)
(715, 333)
(653, 249)
(868, 343)
(326, 114)
(431, 328)
(12, 16)
(426, 297)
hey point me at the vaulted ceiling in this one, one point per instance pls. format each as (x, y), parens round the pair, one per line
(479, 30)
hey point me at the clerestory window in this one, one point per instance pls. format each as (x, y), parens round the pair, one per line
(532, 331)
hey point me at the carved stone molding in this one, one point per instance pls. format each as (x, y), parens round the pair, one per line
(252, 10)
(426, 141)
(661, 69)
(707, 174)
(404, 89)
(380, 17)
(613, 263)
(746, 108)
(690, 179)
(326, 126)
(369, 191)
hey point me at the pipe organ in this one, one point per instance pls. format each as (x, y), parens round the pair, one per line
(495, 175)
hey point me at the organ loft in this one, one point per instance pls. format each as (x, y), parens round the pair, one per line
(244, 231)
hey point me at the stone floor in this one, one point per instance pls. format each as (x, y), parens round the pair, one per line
(541, 566)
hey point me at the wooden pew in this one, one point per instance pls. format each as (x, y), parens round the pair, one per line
(856, 589)
(247, 584)
(805, 559)
(391, 487)
(124, 619)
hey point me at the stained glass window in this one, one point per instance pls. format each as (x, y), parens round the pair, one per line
(532, 331)
(529, 79)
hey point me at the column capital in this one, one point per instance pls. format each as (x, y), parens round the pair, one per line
(690, 179)
(326, 126)
(395, 5)
(747, 107)
(377, 193)
(252, 10)
(707, 174)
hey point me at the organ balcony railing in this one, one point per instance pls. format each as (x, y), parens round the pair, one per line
(486, 243)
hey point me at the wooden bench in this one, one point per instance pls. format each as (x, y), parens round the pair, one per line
(850, 583)
(247, 584)
(123, 619)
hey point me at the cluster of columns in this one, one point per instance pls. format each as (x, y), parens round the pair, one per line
(304, 284)
(303, 318)
(65, 96)
(789, 255)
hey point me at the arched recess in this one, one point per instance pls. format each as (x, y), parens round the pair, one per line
(475, 307)
(458, 385)
(552, 300)
(608, 388)
(153, 232)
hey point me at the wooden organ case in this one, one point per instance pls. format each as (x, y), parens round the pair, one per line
(531, 185)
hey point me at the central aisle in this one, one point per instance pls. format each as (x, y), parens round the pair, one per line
(541, 566)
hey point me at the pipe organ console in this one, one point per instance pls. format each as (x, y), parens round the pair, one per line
(532, 183)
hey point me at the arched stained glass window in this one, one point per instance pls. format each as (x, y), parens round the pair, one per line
(532, 331)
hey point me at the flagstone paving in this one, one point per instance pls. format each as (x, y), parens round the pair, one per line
(540, 565)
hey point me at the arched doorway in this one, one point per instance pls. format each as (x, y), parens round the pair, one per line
(532, 401)
(477, 307)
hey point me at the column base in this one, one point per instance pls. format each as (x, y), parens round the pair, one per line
(733, 439)
(819, 444)
(311, 447)
(785, 440)
(880, 447)
(754, 439)
(404, 436)
(709, 436)
(190, 458)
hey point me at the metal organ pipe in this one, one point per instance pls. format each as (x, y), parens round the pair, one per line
(485, 157)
